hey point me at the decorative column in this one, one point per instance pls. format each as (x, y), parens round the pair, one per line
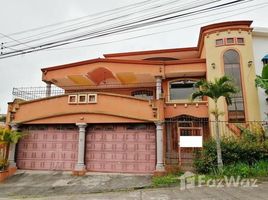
(12, 148)
(158, 87)
(80, 165)
(48, 90)
(159, 146)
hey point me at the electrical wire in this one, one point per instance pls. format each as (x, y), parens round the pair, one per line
(119, 17)
(258, 6)
(78, 39)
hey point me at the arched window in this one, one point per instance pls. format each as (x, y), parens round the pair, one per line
(143, 94)
(236, 111)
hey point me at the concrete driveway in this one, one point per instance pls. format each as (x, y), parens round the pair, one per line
(40, 183)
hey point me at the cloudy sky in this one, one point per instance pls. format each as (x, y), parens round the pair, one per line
(20, 15)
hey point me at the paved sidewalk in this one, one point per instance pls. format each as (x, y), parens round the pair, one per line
(173, 193)
(40, 183)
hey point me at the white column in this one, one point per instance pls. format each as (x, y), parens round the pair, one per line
(48, 90)
(12, 148)
(159, 146)
(80, 165)
(158, 87)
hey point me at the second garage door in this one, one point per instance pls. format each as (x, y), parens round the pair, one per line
(121, 148)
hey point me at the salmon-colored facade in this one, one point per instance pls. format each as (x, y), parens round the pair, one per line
(127, 109)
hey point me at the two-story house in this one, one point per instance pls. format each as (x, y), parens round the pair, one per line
(127, 111)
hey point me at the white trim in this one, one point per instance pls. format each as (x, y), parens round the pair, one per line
(69, 97)
(90, 95)
(82, 95)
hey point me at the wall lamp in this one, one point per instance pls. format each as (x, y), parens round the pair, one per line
(213, 65)
(250, 63)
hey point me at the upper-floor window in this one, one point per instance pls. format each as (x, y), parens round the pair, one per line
(143, 94)
(181, 90)
(240, 40)
(236, 111)
(219, 42)
(230, 41)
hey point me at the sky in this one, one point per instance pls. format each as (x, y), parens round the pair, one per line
(19, 15)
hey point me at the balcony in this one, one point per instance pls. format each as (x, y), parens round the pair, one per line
(32, 93)
(88, 107)
(143, 91)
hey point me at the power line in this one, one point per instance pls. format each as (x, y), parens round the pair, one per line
(258, 6)
(117, 17)
(119, 29)
(133, 6)
(79, 18)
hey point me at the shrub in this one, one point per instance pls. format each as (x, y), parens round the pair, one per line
(258, 169)
(3, 164)
(233, 151)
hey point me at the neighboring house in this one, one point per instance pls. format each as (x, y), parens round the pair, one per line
(260, 47)
(126, 112)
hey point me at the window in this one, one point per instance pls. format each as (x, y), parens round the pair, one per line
(230, 40)
(143, 94)
(236, 111)
(240, 40)
(181, 90)
(82, 98)
(72, 99)
(92, 98)
(219, 42)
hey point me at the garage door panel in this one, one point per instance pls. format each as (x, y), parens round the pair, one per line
(120, 167)
(120, 149)
(48, 149)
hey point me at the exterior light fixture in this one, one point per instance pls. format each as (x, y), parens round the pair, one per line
(213, 65)
(250, 63)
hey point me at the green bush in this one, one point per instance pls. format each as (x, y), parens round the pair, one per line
(3, 164)
(258, 169)
(233, 151)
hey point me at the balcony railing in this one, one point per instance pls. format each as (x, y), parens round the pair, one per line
(136, 90)
(31, 93)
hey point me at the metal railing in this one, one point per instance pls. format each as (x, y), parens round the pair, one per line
(136, 90)
(31, 93)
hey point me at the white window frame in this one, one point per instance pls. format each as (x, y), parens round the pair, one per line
(95, 96)
(82, 95)
(71, 102)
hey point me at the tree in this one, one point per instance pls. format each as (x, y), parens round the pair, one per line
(221, 87)
(262, 81)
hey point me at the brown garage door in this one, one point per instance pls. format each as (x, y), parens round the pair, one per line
(48, 148)
(121, 148)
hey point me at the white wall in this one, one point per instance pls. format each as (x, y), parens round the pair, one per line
(260, 48)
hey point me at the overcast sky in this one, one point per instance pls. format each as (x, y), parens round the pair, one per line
(19, 15)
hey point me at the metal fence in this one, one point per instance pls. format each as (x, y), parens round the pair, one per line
(31, 93)
(190, 126)
(136, 90)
